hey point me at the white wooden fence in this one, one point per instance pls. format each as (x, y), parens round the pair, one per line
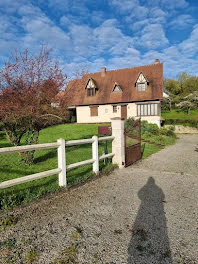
(62, 166)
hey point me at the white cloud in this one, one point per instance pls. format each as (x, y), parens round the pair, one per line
(139, 12)
(181, 22)
(139, 25)
(155, 16)
(40, 29)
(124, 5)
(97, 17)
(9, 38)
(86, 38)
(63, 5)
(189, 46)
(170, 4)
(110, 37)
(83, 40)
(10, 6)
(152, 37)
(65, 21)
(157, 12)
(67, 6)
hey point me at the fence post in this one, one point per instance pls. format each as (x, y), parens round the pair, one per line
(118, 144)
(62, 163)
(95, 155)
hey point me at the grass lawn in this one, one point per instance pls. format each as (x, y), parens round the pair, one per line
(12, 166)
(149, 149)
(180, 115)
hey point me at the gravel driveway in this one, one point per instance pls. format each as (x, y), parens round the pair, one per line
(146, 213)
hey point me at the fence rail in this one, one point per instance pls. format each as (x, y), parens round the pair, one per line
(62, 167)
(28, 178)
(28, 148)
(78, 142)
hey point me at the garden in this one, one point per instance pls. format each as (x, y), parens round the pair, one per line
(12, 165)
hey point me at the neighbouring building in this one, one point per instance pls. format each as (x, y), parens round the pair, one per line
(131, 92)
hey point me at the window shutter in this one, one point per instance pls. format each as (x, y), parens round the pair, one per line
(94, 110)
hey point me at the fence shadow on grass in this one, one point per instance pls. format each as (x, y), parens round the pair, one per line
(22, 173)
(150, 242)
(49, 155)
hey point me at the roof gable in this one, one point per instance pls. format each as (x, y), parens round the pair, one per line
(91, 84)
(141, 78)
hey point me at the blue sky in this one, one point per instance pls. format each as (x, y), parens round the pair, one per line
(89, 34)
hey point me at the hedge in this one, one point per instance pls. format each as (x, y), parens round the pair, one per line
(184, 122)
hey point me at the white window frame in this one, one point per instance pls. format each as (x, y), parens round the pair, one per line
(115, 108)
(141, 87)
(148, 109)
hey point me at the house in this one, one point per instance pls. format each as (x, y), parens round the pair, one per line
(165, 94)
(131, 92)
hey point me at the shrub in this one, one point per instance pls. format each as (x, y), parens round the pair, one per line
(73, 119)
(1, 126)
(151, 128)
(167, 131)
(129, 122)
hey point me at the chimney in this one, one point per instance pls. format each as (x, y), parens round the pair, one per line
(103, 71)
(157, 61)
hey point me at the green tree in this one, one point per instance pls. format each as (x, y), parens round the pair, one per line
(172, 86)
(182, 77)
(190, 85)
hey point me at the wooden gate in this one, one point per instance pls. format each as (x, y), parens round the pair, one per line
(132, 137)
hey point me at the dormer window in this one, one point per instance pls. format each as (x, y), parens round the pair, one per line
(141, 83)
(91, 87)
(117, 87)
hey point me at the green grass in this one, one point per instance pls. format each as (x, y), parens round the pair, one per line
(160, 139)
(175, 114)
(12, 167)
(131, 141)
(149, 149)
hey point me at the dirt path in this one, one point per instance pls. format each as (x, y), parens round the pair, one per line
(145, 213)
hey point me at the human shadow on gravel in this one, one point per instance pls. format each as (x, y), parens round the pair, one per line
(150, 242)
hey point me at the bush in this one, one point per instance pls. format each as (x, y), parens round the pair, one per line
(73, 119)
(152, 130)
(129, 122)
(149, 131)
(167, 131)
(1, 126)
(149, 128)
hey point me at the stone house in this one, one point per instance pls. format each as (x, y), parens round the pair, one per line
(131, 92)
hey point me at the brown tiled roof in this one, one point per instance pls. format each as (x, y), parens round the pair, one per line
(75, 93)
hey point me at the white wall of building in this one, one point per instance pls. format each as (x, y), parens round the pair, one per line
(105, 113)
